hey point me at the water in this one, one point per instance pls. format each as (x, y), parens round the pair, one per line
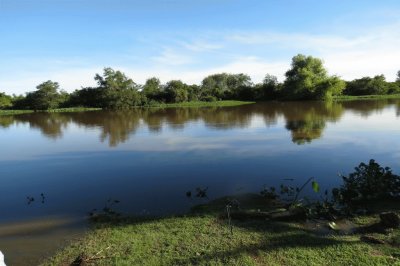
(148, 158)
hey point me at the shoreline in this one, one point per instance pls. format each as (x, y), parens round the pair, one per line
(365, 97)
(203, 236)
(223, 103)
(226, 103)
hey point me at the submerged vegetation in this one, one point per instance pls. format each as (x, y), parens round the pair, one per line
(263, 233)
(307, 79)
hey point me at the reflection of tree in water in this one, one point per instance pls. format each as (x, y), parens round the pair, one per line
(6, 121)
(116, 126)
(305, 120)
(367, 107)
(50, 124)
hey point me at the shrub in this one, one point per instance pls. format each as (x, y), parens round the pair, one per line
(368, 182)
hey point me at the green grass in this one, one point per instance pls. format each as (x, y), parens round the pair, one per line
(366, 97)
(166, 105)
(203, 104)
(205, 239)
(14, 112)
(59, 110)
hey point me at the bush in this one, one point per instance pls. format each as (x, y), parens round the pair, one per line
(209, 98)
(368, 182)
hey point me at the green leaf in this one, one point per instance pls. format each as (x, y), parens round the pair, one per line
(315, 186)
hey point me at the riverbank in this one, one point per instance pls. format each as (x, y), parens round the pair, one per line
(366, 97)
(166, 105)
(59, 110)
(204, 237)
(224, 103)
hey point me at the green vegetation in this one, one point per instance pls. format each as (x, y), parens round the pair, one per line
(371, 86)
(203, 104)
(366, 97)
(58, 110)
(15, 112)
(5, 101)
(206, 240)
(307, 79)
(248, 229)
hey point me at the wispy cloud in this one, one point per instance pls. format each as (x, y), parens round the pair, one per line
(170, 57)
(365, 52)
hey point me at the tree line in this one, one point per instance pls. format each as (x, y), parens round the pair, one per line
(307, 79)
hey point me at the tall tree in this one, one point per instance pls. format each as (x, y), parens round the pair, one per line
(152, 89)
(224, 85)
(117, 91)
(46, 96)
(176, 91)
(308, 80)
(5, 101)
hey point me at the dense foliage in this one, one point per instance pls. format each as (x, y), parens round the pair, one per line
(368, 182)
(371, 86)
(307, 79)
(5, 101)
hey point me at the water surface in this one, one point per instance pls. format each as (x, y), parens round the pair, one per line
(148, 158)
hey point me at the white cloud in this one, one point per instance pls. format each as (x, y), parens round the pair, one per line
(172, 58)
(365, 52)
(201, 46)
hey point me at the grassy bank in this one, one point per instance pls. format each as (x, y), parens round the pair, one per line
(366, 97)
(205, 239)
(166, 105)
(59, 110)
(203, 104)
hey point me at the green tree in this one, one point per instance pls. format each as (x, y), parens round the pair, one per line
(398, 76)
(5, 101)
(308, 80)
(270, 88)
(152, 89)
(368, 86)
(224, 85)
(46, 96)
(116, 90)
(176, 91)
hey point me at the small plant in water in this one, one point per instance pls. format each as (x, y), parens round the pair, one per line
(200, 193)
(108, 211)
(269, 193)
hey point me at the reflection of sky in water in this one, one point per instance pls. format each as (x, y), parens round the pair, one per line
(152, 170)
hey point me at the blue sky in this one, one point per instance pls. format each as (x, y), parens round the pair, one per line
(70, 40)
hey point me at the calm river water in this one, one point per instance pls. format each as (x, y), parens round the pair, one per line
(148, 158)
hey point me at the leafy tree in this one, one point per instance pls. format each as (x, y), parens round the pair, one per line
(224, 86)
(5, 101)
(46, 96)
(368, 86)
(398, 76)
(308, 80)
(194, 92)
(116, 90)
(270, 88)
(87, 97)
(176, 91)
(152, 89)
